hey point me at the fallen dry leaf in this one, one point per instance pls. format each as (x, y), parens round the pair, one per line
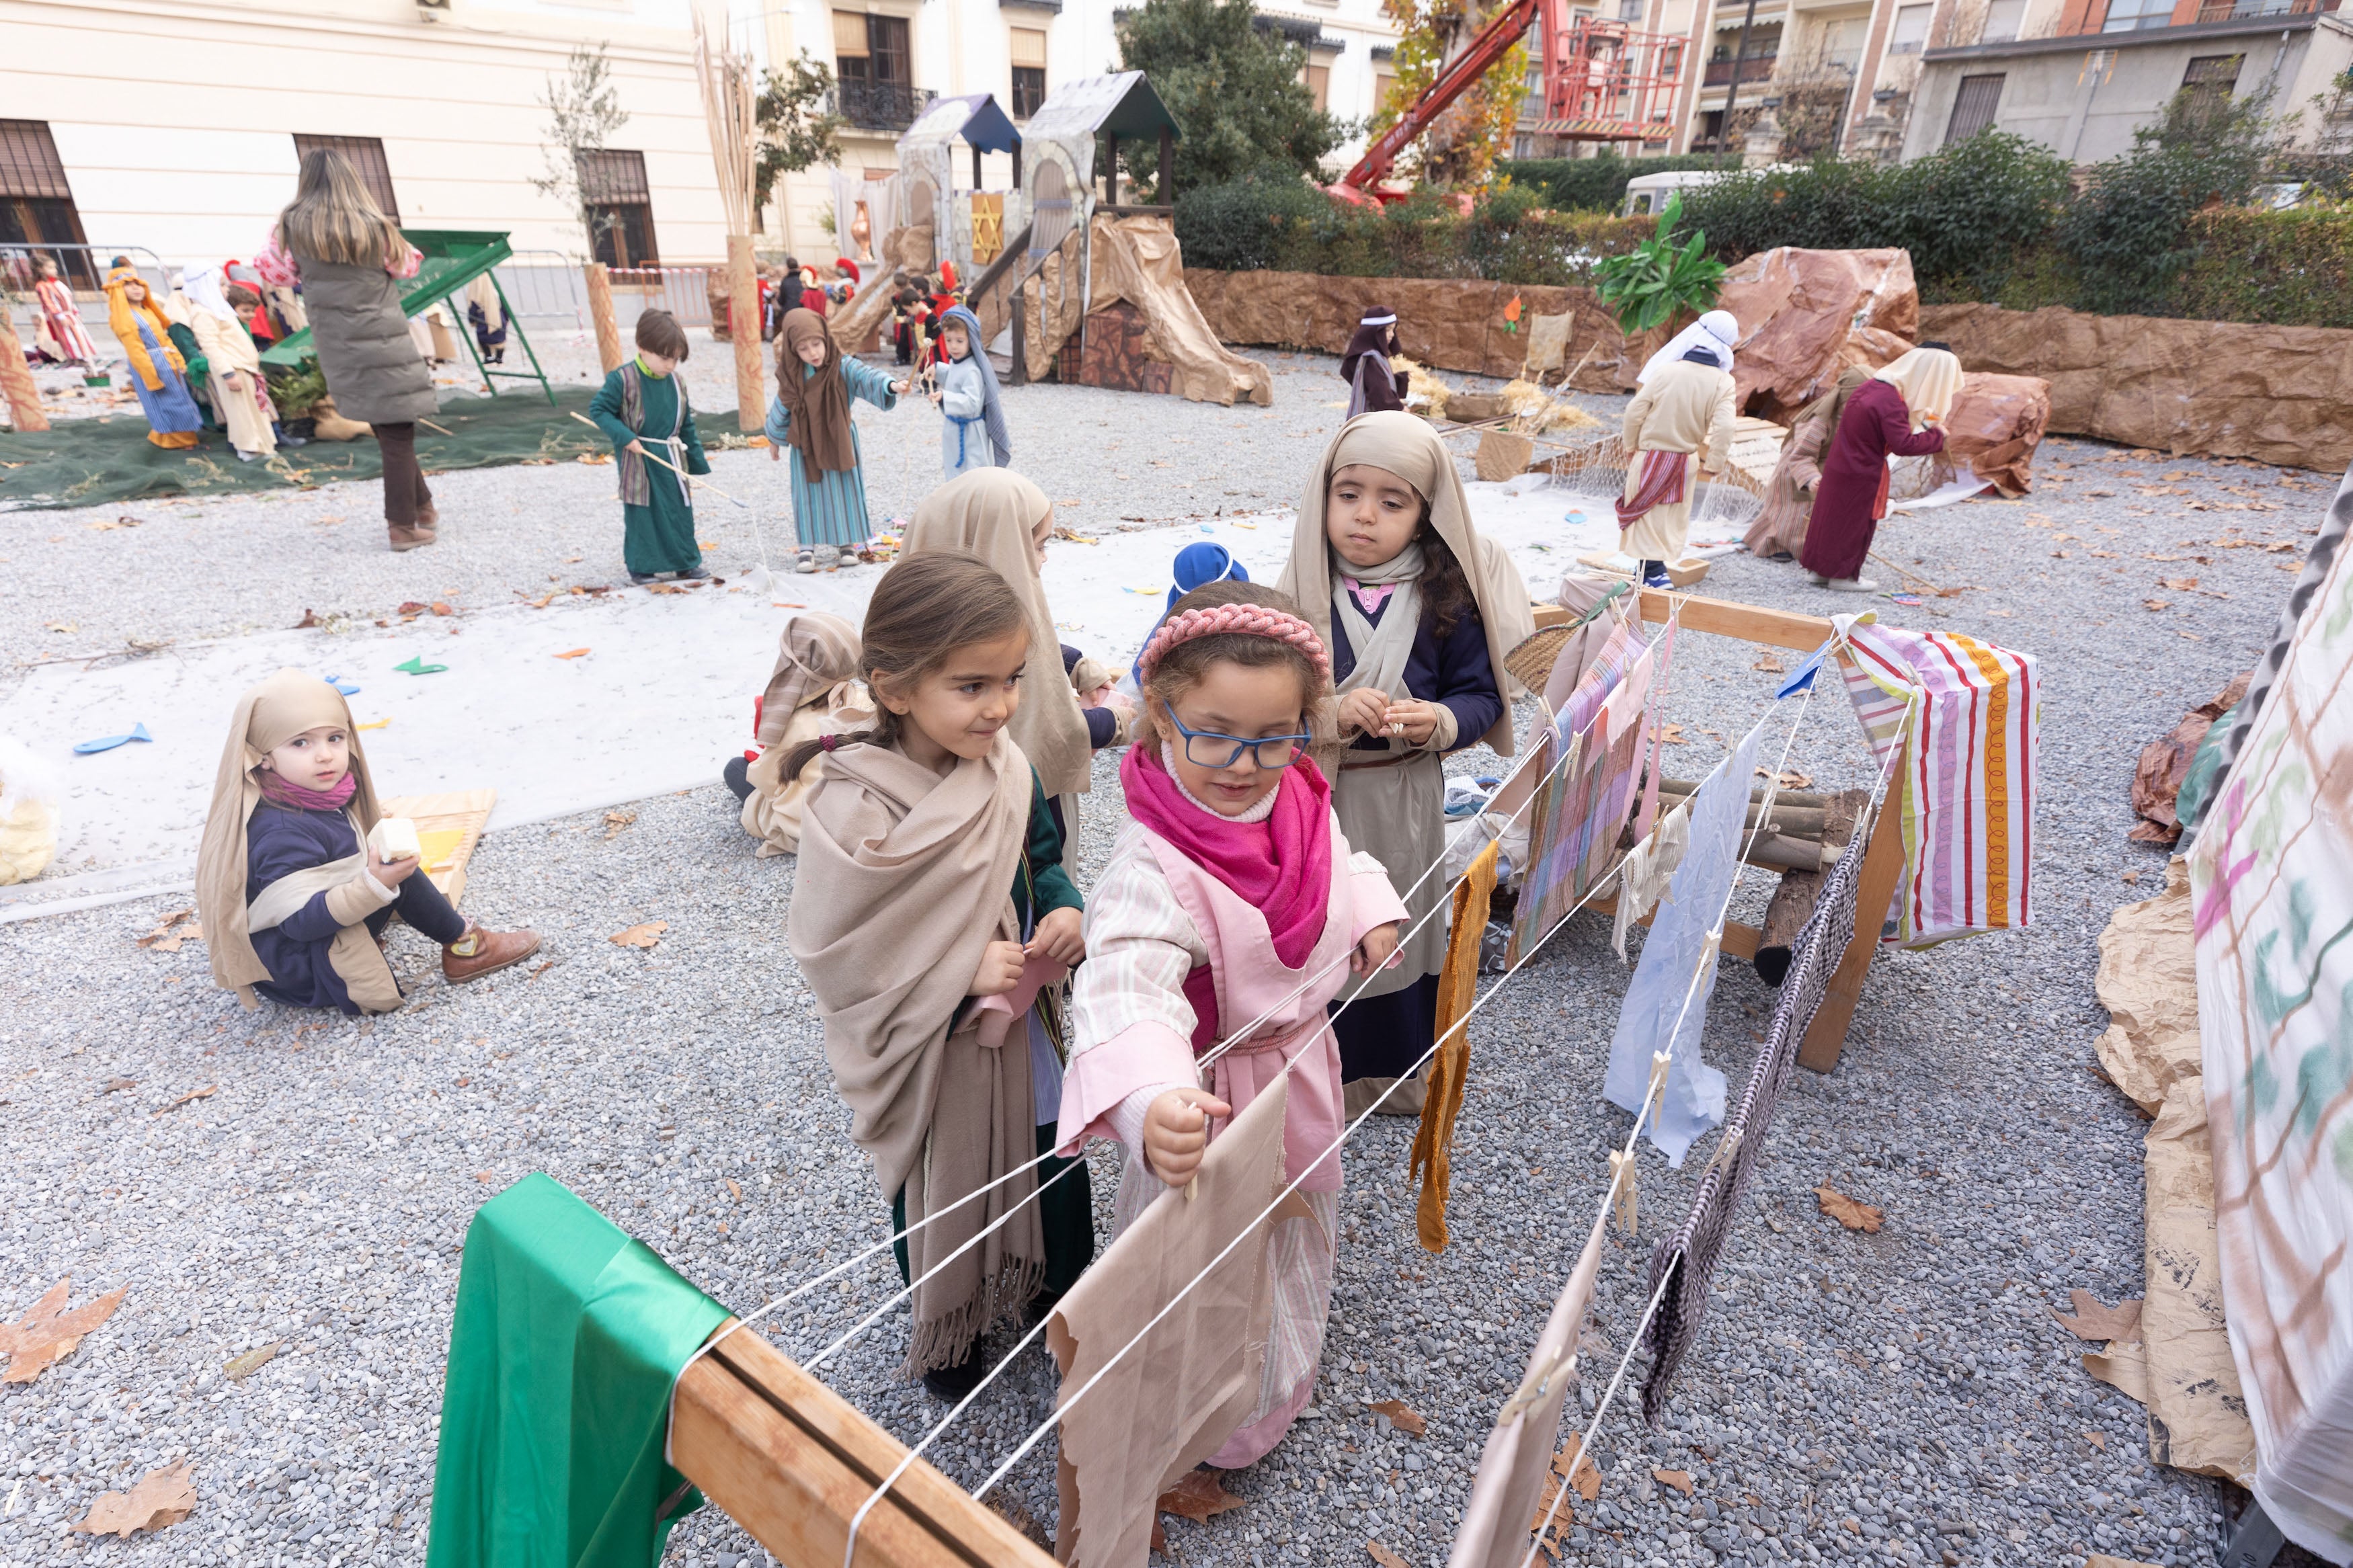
(1402, 1416)
(614, 822)
(237, 1369)
(736, 1188)
(2156, 604)
(573, 653)
(47, 1332)
(1771, 664)
(1582, 1476)
(1788, 778)
(1199, 1495)
(172, 931)
(541, 970)
(115, 1083)
(205, 1093)
(2098, 1440)
(486, 1176)
(647, 935)
(1384, 1556)
(1846, 1212)
(309, 618)
(2179, 584)
(411, 608)
(2095, 1321)
(1679, 1479)
(162, 1499)
(1672, 735)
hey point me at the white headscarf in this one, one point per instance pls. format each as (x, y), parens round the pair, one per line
(1929, 379)
(1717, 331)
(203, 287)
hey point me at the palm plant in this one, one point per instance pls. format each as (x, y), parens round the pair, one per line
(1648, 286)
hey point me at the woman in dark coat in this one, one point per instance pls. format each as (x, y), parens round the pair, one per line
(1372, 385)
(1888, 414)
(350, 259)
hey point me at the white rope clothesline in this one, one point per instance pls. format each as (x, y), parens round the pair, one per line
(1038, 1433)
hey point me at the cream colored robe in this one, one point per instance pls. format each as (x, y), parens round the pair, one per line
(229, 347)
(1683, 407)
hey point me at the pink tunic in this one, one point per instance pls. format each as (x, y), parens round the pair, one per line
(1152, 918)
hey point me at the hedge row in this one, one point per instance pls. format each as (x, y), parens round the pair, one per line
(2165, 230)
(1597, 185)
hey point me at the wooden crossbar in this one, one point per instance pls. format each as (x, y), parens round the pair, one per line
(1883, 858)
(792, 1461)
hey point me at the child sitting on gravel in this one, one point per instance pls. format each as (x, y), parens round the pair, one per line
(295, 903)
(1231, 896)
(932, 919)
(644, 402)
(813, 690)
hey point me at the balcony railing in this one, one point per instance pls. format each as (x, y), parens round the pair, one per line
(1755, 68)
(880, 105)
(2243, 10)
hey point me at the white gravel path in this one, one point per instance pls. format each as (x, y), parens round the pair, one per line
(1901, 1397)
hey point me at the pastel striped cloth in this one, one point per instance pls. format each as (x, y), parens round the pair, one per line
(1967, 716)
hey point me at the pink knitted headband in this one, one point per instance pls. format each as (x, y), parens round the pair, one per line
(1253, 620)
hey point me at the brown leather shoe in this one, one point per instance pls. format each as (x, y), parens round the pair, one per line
(479, 952)
(407, 538)
(428, 522)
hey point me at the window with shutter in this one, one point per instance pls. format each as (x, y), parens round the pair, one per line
(1973, 107)
(36, 205)
(366, 155)
(614, 189)
(1029, 50)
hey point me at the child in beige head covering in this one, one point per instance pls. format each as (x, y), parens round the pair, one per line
(291, 899)
(813, 690)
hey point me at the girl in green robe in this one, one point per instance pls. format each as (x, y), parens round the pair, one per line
(642, 406)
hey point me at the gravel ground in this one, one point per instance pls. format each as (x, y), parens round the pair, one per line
(1903, 1396)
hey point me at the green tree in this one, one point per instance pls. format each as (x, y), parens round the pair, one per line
(1236, 93)
(582, 109)
(797, 131)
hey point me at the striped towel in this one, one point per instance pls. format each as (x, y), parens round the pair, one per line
(1966, 716)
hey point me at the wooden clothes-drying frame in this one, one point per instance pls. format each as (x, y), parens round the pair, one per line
(1882, 864)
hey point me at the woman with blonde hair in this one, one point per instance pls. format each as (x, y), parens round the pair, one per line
(350, 259)
(1896, 413)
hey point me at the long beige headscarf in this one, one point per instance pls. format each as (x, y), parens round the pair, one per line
(267, 716)
(1409, 448)
(905, 876)
(816, 651)
(1929, 379)
(1002, 517)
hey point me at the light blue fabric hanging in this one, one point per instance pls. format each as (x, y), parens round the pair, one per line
(1692, 1098)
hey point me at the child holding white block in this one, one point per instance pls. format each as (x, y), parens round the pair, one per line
(300, 873)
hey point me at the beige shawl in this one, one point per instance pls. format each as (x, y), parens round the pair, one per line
(905, 876)
(816, 651)
(1409, 448)
(1929, 379)
(1002, 517)
(266, 717)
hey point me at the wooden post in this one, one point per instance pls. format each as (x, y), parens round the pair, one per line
(1110, 170)
(744, 330)
(1882, 864)
(976, 168)
(792, 1462)
(17, 382)
(1166, 195)
(600, 316)
(1016, 165)
(1021, 328)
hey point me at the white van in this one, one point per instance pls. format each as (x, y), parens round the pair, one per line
(1648, 194)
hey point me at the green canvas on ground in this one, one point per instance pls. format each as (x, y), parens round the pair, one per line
(99, 462)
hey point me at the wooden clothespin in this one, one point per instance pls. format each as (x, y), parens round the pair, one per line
(1621, 1189)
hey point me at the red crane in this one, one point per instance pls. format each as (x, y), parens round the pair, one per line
(1602, 82)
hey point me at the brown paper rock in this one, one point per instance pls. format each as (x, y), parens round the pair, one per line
(1807, 315)
(2147, 980)
(2165, 763)
(2283, 394)
(1996, 423)
(2197, 1411)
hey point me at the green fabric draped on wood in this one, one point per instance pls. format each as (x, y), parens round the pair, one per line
(565, 1341)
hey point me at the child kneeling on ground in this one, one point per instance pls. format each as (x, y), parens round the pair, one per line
(293, 902)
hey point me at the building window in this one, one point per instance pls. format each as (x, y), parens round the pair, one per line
(1028, 71)
(1630, 10)
(2005, 19)
(1910, 31)
(620, 206)
(1842, 43)
(2134, 16)
(2210, 81)
(876, 67)
(1319, 85)
(1973, 108)
(36, 204)
(1384, 84)
(366, 155)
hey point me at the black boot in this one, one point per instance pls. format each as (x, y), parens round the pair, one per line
(736, 772)
(952, 1384)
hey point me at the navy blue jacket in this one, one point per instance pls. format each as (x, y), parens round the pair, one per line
(1453, 671)
(278, 840)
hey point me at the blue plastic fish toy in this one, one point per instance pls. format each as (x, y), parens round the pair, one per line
(138, 732)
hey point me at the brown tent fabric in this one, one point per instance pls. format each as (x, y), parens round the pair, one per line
(2165, 763)
(1806, 315)
(2282, 394)
(1137, 261)
(1197, 1371)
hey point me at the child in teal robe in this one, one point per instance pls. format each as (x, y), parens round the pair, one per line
(643, 406)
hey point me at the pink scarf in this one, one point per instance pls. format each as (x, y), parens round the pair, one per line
(278, 791)
(1281, 865)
